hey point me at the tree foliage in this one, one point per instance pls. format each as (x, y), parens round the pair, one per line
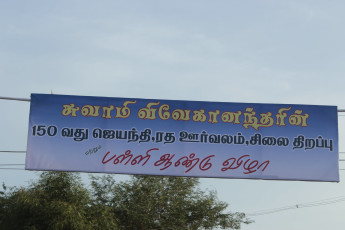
(59, 200)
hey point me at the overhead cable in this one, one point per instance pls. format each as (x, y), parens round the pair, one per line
(12, 168)
(302, 205)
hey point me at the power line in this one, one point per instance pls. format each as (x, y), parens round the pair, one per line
(302, 205)
(11, 151)
(10, 164)
(12, 169)
(28, 100)
(7, 166)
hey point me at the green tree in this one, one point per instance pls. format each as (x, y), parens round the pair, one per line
(57, 201)
(156, 202)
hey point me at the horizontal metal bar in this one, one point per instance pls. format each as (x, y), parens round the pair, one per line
(15, 99)
(12, 151)
(27, 99)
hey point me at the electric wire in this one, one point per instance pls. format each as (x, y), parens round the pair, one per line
(12, 168)
(302, 205)
(12, 151)
(29, 100)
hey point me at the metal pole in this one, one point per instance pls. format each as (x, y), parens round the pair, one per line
(15, 99)
(27, 99)
(4, 151)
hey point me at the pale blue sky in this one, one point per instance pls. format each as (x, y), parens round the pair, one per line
(229, 51)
